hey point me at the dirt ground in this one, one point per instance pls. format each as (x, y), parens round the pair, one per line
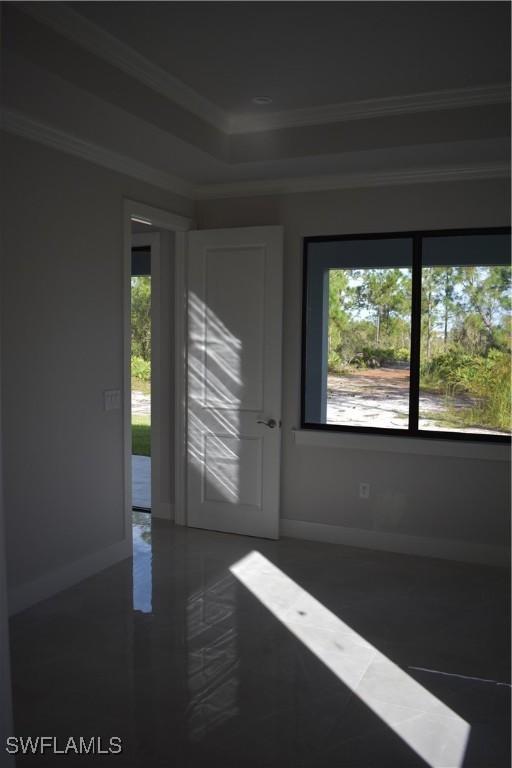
(379, 397)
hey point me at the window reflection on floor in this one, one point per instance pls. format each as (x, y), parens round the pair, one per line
(142, 562)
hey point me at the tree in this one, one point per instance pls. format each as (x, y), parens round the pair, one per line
(141, 316)
(428, 310)
(439, 305)
(449, 279)
(385, 293)
(339, 293)
(486, 296)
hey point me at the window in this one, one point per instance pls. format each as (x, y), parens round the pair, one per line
(408, 334)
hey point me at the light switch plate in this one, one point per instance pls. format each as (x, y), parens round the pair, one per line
(112, 399)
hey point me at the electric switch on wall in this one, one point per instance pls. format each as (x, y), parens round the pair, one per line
(112, 399)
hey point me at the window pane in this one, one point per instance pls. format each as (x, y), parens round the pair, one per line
(359, 333)
(465, 335)
(368, 347)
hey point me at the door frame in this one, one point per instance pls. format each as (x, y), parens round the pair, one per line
(178, 225)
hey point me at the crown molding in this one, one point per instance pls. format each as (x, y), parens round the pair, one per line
(455, 98)
(96, 40)
(73, 26)
(19, 124)
(352, 181)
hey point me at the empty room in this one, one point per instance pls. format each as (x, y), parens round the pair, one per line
(255, 384)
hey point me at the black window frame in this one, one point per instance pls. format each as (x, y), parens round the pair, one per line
(417, 237)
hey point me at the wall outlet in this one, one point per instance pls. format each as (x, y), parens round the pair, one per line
(364, 490)
(112, 399)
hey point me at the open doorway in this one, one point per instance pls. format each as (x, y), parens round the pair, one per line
(158, 401)
(141, 348)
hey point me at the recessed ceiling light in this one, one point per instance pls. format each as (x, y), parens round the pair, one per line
(262, 100)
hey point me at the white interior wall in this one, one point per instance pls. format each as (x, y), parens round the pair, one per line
(62, 323)
(427, 504)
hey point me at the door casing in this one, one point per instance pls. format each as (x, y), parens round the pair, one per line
(178, 225)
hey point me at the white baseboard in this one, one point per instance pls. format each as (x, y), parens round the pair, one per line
(163, 510)
(26, 595)
(446, 549)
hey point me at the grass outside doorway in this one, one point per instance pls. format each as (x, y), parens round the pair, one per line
(141, 435)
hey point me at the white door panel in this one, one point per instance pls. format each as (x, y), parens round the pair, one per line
(234, 379)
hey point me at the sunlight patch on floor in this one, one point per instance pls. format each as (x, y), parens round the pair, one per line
(429, 727)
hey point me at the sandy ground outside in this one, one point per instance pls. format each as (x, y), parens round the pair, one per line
(141, 403)
(376, 397)
(379, 397)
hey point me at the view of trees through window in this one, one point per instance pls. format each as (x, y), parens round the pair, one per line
(369, 342)
(465, 352)
(465, 349)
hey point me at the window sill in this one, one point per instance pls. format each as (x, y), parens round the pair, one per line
(402, 444)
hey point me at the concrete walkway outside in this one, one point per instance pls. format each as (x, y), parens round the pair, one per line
(141, 403)
(141, 465)
(141, 481)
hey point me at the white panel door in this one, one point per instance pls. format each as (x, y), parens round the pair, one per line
(234, 380)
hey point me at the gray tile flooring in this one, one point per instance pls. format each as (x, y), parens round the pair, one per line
(200, 653)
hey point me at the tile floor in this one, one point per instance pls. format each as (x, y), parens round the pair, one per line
(202, 654)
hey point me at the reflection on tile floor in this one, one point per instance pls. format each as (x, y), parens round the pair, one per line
(142, 562)
(178, 657)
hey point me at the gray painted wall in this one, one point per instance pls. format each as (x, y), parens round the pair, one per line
(5, 661)
(5, 666)
(62, 343)
(450, 499)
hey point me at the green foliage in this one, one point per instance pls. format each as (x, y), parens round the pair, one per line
(346, 339)
(465, 306)
(386, 294)
(141, 317)
(334, 363)
(465, 333)
(485, 378)
(141, 436)
(375, 357)
(368, 318)
(444, 370)
(487, 296)
(402, 354)
(141, 369)
(385, 355)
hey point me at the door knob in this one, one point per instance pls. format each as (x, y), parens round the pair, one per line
(271, 423)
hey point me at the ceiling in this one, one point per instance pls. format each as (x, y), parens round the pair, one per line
(306, 54)
(363, 93)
